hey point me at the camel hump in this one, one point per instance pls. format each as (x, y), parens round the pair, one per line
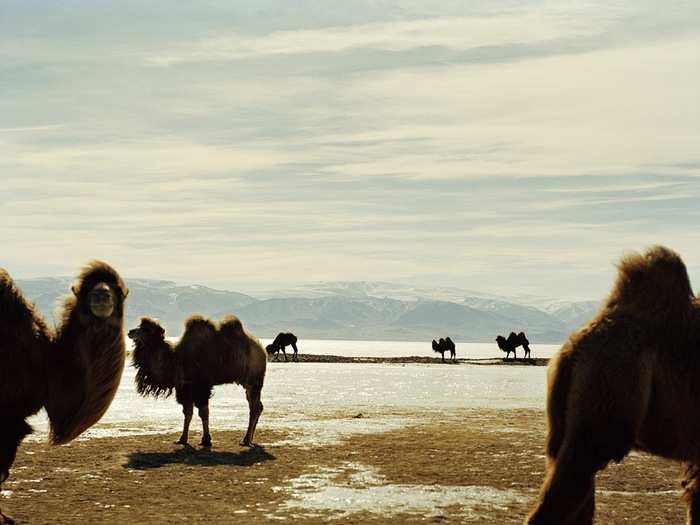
(231, 325)
(654, 285)
(197, 324)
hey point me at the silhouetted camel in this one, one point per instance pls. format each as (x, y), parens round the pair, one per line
(207, 354)
(72, 371)
(626, 381)
(281, 341)
(445, 345)
(514, 341)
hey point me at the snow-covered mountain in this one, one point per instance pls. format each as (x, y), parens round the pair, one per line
(343, 310)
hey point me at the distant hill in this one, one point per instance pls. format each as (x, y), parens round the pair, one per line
(342, 310)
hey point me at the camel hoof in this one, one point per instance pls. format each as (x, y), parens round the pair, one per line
(248, 444)
(181, 442)
(206, 442)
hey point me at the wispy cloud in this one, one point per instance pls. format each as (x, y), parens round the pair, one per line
(474, 145)
(457, 33)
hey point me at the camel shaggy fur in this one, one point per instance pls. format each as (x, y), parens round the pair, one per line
(208, 354)
(628, 380)
(72, 371)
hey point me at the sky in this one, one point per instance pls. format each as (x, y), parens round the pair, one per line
(516, 147)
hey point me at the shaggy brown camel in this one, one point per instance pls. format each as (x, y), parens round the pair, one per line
(445, 345)
(628, 380)
(512, 343)
(281, 341)
(72, 371)
(207, 354)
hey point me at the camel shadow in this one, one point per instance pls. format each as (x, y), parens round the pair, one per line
(191, 456)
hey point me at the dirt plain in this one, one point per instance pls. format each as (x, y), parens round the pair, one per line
(466, 466)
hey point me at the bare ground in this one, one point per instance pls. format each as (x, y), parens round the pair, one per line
(469, 466)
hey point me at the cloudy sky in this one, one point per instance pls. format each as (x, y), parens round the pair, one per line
(507, 147)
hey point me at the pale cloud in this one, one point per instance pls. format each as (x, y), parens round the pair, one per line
(152, 158)
(458, 33)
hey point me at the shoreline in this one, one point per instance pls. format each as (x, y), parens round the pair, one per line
(482, 361)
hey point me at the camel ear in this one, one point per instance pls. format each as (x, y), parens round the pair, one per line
(75, 291)
(125, 292)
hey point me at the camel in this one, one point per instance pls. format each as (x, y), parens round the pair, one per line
(207, 354)
(281, 341)
(72, 370)
(445, 345)
(512, 343)
(626, 381)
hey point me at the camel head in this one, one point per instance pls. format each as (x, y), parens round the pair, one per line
(99, 293)
(147, 330)
(271, 348)
(502, 343)
(101, 300)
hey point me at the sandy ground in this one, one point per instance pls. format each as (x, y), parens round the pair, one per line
(461, 466)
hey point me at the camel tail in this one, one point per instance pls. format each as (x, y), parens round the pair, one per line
(654, 285)
(559, 383)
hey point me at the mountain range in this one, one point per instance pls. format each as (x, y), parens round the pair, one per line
(343, 310)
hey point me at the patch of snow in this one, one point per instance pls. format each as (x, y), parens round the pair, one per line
(353, 487)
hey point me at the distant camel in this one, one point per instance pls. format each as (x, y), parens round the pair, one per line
(445, 345)
(281, 341)
(626, 381)
(207, 354)
(72, 370)
(514, 341)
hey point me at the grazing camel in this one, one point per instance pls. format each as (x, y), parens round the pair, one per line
(445, 345)
(281, 341)
(512, 343)
(626, 381)
(207, 354)
(72, 371)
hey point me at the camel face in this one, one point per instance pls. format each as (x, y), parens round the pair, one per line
(101, 300)
(146, 330)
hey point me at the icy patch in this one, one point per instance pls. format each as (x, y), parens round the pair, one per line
(671, 492)
(333, 431)
(303, 432)
(354, 487)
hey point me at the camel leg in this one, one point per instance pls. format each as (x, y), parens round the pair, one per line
(568, 493)
(204, 416)
(691, 484)
(598, 433)
(201, 395)
(255, 408)
(184, 397)
(10, 438)
(285, 355)
(295, 357)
